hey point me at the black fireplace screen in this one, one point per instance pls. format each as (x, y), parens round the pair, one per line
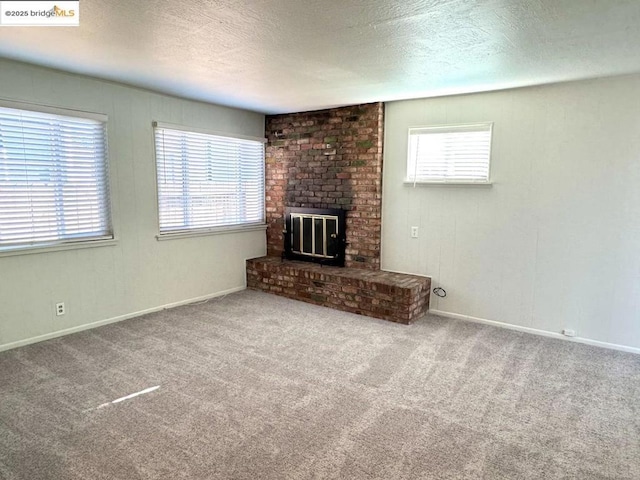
(315, 235)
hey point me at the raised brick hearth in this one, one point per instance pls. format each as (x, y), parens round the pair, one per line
(390, 296)
(332, 159)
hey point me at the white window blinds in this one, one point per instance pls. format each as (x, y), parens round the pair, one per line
(53, 179)
(449, 154)
(207, 181)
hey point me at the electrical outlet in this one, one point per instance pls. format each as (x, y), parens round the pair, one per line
(60, 310)
(414, 232)
(567, 332)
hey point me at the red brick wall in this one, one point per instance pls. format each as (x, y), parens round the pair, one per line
(328, 159)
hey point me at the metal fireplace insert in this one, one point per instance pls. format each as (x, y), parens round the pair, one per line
(315, 235)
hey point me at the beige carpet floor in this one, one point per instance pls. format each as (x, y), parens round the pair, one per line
(254, 386)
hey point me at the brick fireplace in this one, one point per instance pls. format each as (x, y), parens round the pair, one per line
(332, 159)
(328, 159)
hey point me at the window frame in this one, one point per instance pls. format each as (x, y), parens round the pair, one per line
(454, 181)
(205, 231)
(78, 243)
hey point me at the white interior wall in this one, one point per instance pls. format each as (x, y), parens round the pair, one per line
(555, 242)
(139, 273)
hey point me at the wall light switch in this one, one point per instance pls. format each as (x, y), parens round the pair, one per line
(414, 232)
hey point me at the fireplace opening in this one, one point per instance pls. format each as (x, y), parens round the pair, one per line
(315, 235)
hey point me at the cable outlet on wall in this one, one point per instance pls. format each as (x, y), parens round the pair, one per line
(414, 232)
(567, 332)
(60, 310)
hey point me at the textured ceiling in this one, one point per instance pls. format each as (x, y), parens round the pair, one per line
(295, 55)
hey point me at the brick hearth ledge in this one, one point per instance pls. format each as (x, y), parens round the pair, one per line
(396, 297)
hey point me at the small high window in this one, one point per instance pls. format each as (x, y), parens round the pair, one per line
(449, 154)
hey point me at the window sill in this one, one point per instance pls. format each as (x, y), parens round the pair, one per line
(448, 184)
(29, 250)
(211, 231)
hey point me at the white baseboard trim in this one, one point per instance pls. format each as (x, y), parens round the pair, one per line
(404, 273)
(535, 331)
(100, 323)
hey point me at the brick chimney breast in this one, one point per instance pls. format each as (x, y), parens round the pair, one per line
(328, 159)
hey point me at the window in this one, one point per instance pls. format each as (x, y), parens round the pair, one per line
(208, 181)
(53, 178)
(449, 154)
